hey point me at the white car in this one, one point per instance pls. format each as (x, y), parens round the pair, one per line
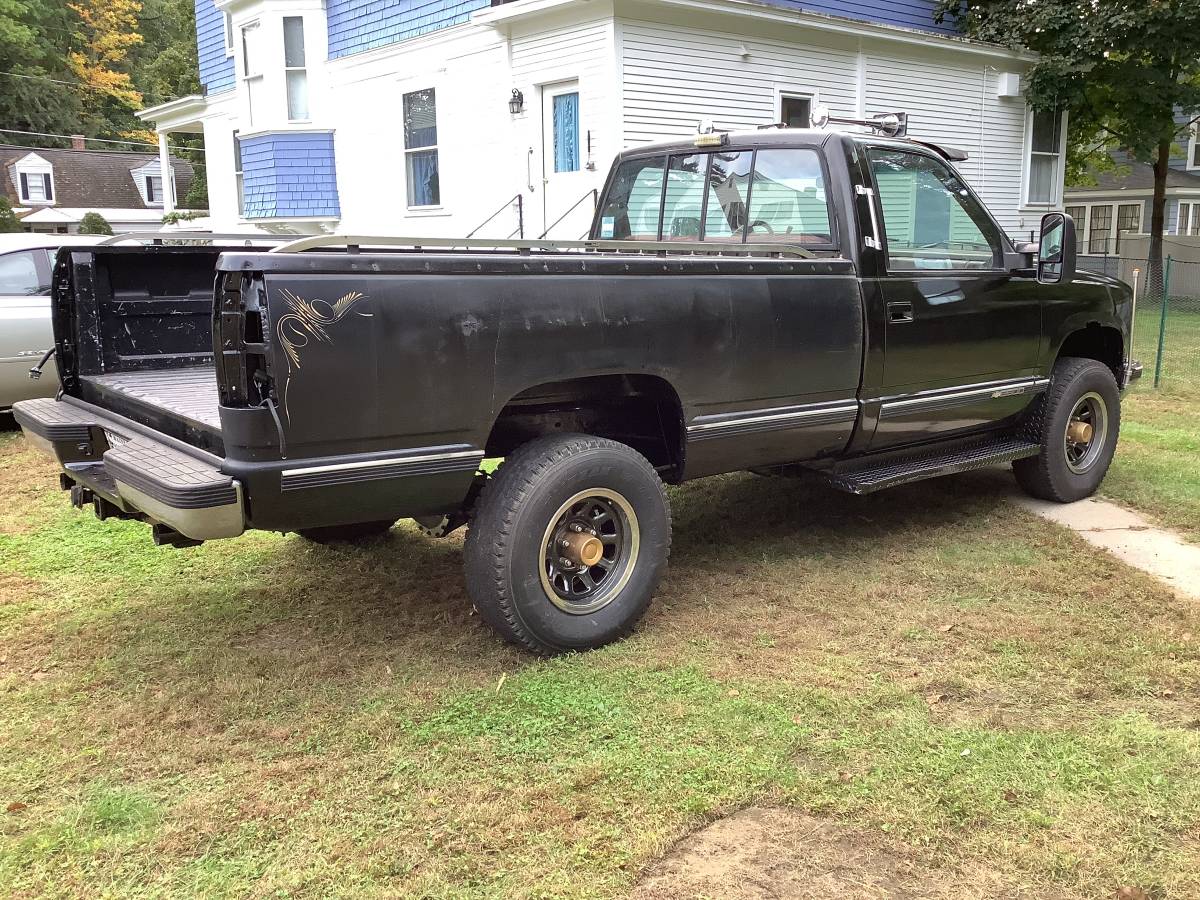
(25, 330)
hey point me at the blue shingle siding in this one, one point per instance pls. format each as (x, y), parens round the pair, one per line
(289, 174)
(903, 13)
(357, 25)
(216, 69)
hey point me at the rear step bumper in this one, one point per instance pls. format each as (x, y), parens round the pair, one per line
(143, 474)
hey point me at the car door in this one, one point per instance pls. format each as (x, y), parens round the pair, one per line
(961, 332)
(25, 330)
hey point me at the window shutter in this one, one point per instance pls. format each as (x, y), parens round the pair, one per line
(24, 186)
(46, 184)
(149, 189)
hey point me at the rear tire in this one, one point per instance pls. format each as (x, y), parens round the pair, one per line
(567, 544)
(1082, 392)
(346, 534)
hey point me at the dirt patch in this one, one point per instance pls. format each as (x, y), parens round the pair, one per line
(784, 854)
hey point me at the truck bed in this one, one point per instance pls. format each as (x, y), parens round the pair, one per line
(189, 393)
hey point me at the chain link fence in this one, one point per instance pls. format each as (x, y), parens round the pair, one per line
(1166, 334)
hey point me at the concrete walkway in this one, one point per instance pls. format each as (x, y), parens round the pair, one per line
(1129, 537)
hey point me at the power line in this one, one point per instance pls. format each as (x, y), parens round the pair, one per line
(68, 137)
(74, 84)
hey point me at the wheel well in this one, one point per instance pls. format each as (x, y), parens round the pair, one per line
(642, 411)
(1096, 342)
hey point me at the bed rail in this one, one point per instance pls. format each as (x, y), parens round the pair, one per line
(355, 242)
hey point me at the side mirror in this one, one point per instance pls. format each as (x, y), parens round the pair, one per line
(1056, 250)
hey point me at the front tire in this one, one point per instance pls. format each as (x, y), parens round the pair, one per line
(568, 542)
(1077, 422)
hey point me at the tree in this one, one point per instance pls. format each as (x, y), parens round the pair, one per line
(33, 95)
(1127, 71)
(94, 223)
(9, 222)
(106, 32)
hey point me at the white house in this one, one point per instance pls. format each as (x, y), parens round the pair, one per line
(432, 117)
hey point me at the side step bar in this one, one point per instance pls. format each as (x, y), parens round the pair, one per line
(867, 476)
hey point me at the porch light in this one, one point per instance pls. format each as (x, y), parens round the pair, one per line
(516, 103)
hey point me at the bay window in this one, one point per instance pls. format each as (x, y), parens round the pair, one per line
(295, 71)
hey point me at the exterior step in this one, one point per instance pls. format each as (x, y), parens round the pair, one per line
(868, 476)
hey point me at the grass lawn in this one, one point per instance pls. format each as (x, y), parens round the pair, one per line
(931, 667)
(1157, 469)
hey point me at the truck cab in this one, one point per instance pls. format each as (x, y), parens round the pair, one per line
(825, 303)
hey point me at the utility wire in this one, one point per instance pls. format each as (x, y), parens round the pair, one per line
(67, 137)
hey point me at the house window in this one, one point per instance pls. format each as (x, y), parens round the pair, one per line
(1129, 219)
(1100, 229)
(294, 68)
(795, 111)
(1193, 155)
(1189, 218)
(566, 132)
(36, 187)
(252, 72)
(154, 189)
(1045, 142)
(237, 174)
(420, 148)
(228, 22)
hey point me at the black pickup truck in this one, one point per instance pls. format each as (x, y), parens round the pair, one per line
(781, 300)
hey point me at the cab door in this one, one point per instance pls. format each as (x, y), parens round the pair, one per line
(961, 332)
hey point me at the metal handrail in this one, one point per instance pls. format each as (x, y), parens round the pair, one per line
(710, 248)
(519, 199)
(159, 236)
(594, 193)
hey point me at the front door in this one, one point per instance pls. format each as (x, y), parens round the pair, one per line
(566, 214)
(961, 333)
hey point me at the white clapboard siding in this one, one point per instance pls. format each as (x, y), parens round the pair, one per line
(675, 75)
(951, 99)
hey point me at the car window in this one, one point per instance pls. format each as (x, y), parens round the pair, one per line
(788, 201)
(684, 197)
(728, 190)
(930, 219)
(20, 274)
(634, 201)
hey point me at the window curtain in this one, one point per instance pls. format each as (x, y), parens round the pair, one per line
(423, 187)
(566, 133)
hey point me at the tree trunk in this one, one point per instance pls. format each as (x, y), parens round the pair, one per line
(1158, 221)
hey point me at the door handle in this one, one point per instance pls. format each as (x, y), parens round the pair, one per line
(900, 312)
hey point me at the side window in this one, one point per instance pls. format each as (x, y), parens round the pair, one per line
(728, 189)
(930, 219)
(20, 275)
(787, 201)
(634, 201)
(684, 197)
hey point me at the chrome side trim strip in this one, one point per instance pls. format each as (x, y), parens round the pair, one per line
(771, 419)
(946, 398)
(380, 463)
(377, 469)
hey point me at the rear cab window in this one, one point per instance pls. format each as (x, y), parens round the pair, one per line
(772, 195)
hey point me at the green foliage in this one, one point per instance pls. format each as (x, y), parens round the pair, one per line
(94, 223)
(32, 35)
(9, 223)
(197, 194)
(1128, 71)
